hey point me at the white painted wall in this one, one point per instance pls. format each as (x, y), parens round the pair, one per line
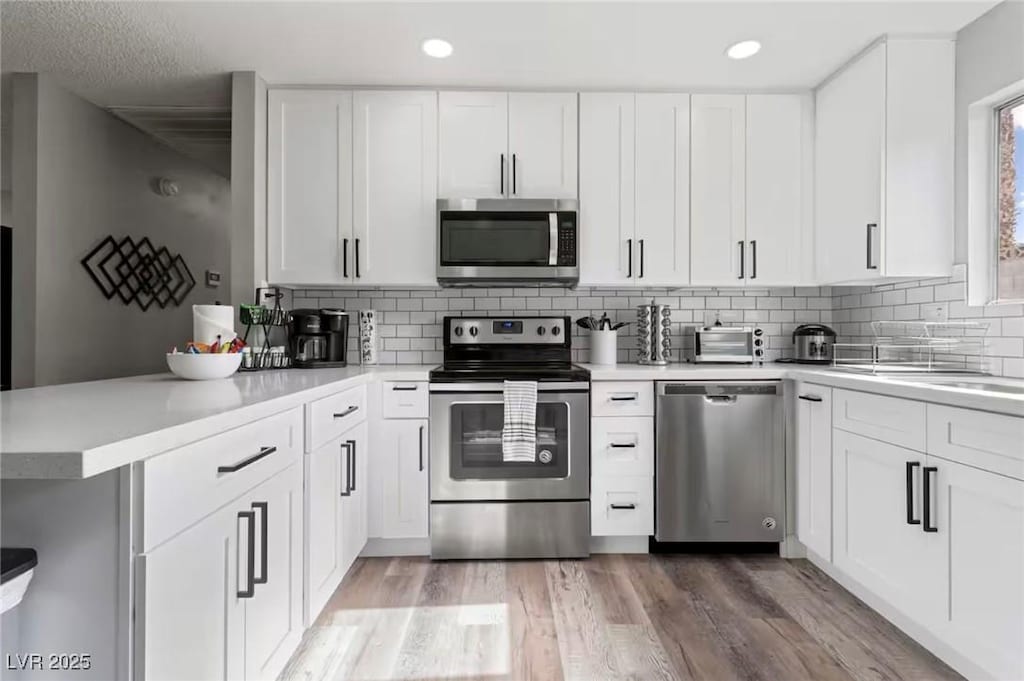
(78, 174)
(989, 56)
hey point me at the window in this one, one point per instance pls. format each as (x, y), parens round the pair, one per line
(1010, 201)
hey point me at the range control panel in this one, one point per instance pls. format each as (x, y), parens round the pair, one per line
(506, 330)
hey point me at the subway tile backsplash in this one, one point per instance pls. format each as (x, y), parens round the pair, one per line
(411, 320)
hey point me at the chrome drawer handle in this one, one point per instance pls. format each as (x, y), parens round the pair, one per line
(623, 507)
(264, 451)
(346, 412)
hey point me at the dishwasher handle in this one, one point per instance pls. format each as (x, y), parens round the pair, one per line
(720, 399)
(714, 390)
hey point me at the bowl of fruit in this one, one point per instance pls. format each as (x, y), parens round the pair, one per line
(205, 362)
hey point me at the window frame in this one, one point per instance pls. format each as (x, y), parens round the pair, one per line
(996, 187)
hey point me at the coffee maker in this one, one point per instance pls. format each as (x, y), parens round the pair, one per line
(319, 338)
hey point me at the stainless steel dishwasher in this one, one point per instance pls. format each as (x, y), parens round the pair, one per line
(720, 462)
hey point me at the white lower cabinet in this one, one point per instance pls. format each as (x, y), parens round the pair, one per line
(814, 468)
(404, 487)
(222, 600)
(354, 505)
(622, 505)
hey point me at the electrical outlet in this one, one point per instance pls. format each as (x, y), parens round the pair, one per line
(935, 312)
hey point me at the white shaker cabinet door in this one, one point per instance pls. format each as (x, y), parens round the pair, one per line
(403, 474)
(717, 190)
(780, 157)
(607, 172)
(395, 187)
(355, 510)
(542, 144)
(662, 251)
(814, 468)
(473, 138)
(309, 187)
(273, 617)
(879, 539)
(324, 570)
(980, 522)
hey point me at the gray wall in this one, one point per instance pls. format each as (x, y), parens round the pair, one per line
(989, 57)
(79, 174)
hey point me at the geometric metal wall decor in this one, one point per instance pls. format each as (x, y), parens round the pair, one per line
(135, 271)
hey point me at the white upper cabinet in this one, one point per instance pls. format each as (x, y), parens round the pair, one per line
(473, 144)
(718, 190)
(607, 187)
(779, 187)
(309, 186)
(502, 145)
(542, 133)
(395, 182)
(884, 164)
(662, 251)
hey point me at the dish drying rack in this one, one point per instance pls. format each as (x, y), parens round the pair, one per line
(258, 316)
(918, 347)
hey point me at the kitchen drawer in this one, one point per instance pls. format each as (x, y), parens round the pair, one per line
(329, 417)
(404, 399)
(622, 398)
(991, 442)
(182, 486)
(889, 419)
(622, 505)
(622, 445)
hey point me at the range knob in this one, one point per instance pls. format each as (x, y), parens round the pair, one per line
(556, 330)
(473, 331)
(458, 330)
(541, 330)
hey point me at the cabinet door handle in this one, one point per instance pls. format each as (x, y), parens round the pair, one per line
(623, 507)
(357, 258)
(622, 445)
(753, 259)
(911, 520)
(233, 468)
(926, 497)
(623, 398)
(501, 165)
(641, 258)
(250, 567)
(872, 229)
(421, 448)
(344, 258)
(343, 414)
(404, 388)
(629, 258)
(346, 472)
(262, 507)
(742, 260)
(352, 476)
(810, 398)
(513, 174)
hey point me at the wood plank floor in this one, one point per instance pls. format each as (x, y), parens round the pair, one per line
(610, 617)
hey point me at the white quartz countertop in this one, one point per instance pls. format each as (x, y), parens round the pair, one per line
(78, 430)
(918, 387)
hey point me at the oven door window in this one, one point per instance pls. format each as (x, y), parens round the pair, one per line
(475, 450)
(495, 239)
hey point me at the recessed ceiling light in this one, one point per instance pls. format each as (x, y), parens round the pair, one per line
(744, 49)
(437, 48)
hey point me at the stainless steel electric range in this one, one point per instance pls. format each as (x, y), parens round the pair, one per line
(482, 506)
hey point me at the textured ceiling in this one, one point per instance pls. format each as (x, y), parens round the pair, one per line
(180, 53)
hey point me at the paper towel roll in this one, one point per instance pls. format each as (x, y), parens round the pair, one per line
(210, 321)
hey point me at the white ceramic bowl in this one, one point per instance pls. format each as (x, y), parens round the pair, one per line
(204, 367)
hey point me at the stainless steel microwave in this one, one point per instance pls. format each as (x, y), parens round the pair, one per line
(496, 242)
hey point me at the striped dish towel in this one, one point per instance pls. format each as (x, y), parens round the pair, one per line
(519, 436)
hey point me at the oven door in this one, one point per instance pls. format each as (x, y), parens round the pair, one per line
(481, 242)
(466, 462)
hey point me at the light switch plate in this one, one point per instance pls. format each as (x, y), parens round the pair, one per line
(935, 312)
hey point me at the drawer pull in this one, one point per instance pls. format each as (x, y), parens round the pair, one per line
(408, 388)
(623, 507)
(346, 473)
(264, 451)
(911, 520)
(926, 493)
(624, 398)
(352, 472)
(262, 507)
(421, 448)
(619, 445)
(345, 413)
(810, 398)
(250, 567)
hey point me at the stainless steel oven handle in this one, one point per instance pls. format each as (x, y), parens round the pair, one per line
(496, 387)
(553, 239)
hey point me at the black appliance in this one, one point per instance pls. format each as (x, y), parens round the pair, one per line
(319, 338)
